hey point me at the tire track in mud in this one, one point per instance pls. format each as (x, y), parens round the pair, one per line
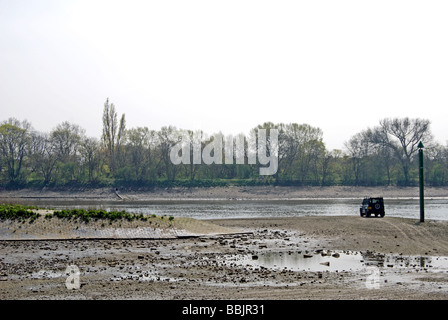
(430, 238)
(420, 235)
(397, 228)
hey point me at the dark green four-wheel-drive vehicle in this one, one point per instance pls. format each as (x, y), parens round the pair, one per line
(371, 206)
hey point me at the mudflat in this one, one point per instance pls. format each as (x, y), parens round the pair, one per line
(223, 264)
(227, 193)
(388, 258)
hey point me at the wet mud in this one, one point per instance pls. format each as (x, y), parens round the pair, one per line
(274, 262)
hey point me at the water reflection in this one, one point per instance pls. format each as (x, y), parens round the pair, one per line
(335, 261)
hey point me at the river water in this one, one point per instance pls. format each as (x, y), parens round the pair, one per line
(435, 208)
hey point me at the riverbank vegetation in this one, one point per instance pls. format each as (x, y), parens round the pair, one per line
(385, 154)
(31, 213)
(18, 212)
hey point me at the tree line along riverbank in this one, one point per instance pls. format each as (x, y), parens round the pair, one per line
(138, 157)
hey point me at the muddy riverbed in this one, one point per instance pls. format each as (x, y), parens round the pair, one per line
(352, 258)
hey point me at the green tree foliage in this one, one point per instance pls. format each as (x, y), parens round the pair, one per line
(140, 157)
(14, 139)
(113, 134)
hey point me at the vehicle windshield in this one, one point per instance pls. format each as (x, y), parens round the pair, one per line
(372, 201)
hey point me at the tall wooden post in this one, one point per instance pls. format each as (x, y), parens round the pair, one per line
(421, 182)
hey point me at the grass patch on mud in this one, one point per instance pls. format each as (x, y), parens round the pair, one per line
(21, 213)
(93, 223)
(18, 212)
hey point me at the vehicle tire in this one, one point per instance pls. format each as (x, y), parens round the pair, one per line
(382, 215)
(368, 214)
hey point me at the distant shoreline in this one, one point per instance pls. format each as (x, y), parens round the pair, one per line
(225, 193)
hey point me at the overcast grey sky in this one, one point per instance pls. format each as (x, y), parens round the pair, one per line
(225, 65)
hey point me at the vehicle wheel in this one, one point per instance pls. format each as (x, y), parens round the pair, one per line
(368, 215)
(382, 215)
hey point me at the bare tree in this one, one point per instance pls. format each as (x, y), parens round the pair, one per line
(402, 136)
(358, 149)
(195, 140)
(90, 156)
(289, 146)
(138, 150)
(380, 145)
(66, 138)
(167, 137)
(43, 155)
(308, 139)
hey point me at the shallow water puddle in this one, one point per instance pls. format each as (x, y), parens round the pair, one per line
(336, 261)
(310, 262)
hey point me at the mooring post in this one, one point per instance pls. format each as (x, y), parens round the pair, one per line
(421, 182)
